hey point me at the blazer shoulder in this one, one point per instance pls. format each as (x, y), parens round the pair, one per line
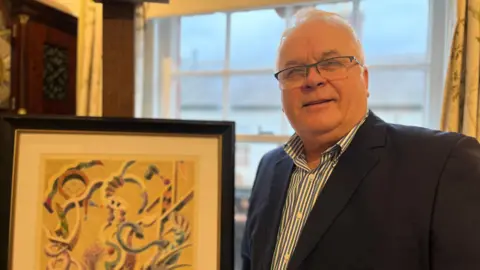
(423, 138)
(269, 159)
(275, 154)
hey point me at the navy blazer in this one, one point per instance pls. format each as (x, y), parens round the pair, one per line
(400, 198)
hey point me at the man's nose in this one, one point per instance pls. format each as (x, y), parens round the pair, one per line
(314, 79)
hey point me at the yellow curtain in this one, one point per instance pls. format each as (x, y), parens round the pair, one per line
(89, 59)
(461, 103)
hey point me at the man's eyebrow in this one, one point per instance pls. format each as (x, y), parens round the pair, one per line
(328, 54)
(293, 63)
(324, 55)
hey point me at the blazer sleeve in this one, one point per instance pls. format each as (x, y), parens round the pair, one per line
(455, 232)
(245, 246)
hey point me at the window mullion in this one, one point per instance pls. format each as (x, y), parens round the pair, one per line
(288, 23)
(226, 76)
(177, 58)
(157, 91)
(356, 18)
(438, 51)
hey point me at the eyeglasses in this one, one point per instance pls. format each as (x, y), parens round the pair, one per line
(335, 68)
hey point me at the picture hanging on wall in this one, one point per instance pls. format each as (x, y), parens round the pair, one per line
(100, 193)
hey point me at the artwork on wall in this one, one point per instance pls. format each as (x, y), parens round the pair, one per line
(93, 193)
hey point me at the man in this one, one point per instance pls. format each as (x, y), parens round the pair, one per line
(349, 191)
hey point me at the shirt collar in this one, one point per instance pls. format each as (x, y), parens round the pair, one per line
(295, 149)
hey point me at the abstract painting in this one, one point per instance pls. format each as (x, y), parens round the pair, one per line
(115, 213)
(92, 193)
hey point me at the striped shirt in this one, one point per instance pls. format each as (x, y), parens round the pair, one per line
(305, 185)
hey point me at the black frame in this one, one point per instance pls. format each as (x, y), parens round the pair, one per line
(9, 124)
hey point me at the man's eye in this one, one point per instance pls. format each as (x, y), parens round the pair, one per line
(332, 64)
(295, 71)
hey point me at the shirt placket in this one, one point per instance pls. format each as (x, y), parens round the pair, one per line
(299, 213)
(292, 197)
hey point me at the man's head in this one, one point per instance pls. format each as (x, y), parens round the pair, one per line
(328, 98)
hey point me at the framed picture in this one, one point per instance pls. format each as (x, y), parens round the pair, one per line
(111, 193)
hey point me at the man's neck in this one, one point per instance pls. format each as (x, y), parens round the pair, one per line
(316, 144)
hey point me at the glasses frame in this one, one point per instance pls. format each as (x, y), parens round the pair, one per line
(352, 59)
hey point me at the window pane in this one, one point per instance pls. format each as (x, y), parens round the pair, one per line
(255, 36)
(255, 104)
(397, 87)
(202, 42)
(247, 156)
(290, 131)
(394, 31)
(414, 117)
(343, 9)
(255, 90)
(200, 97)
(257, 121)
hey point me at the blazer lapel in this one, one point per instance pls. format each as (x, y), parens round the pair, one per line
(271, 215)
(353, 166)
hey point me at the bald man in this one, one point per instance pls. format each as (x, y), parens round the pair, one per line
(348, 190)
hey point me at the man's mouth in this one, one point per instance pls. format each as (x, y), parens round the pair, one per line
(317, 102)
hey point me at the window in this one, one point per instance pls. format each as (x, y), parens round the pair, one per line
(220, 66)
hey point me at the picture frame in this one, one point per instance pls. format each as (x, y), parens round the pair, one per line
(107, 193)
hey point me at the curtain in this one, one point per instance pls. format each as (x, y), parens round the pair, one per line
(89, 59)
(461, 101)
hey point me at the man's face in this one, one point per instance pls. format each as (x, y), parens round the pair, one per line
(309, 43)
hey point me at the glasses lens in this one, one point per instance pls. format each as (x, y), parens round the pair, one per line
(330, 69)
(333, 69)
(292, 77)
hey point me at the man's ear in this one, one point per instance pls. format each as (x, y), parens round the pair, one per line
(365, 75)
(365, 78)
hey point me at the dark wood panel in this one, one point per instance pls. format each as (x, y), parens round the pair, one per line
(38, 36)
(118, 60)
(5, 7)
(119, 56)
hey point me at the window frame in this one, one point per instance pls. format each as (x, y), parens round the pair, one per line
(162, 101)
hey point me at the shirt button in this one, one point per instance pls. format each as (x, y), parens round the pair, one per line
(287, 257)
(311, 177)
(299, 215)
